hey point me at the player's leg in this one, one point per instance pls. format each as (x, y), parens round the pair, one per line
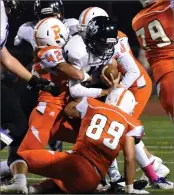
(65, 130)
(165, 92)
(37, 136)
(66, 169)
(144, 157)
(15, 121)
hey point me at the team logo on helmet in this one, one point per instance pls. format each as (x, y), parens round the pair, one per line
(94, 28)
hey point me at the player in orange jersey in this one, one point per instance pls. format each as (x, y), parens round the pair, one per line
(104, 131)
(154, 29)
(153, 26)
(141, 88)
(50, 36)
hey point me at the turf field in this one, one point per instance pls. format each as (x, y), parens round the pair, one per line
(159, 136)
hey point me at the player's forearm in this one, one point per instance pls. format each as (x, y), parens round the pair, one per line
(71, 71)
(14, 66)
(79, 91)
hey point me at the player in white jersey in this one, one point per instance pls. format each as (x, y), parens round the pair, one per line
(43, 9)
(92, 55)
(91, 59)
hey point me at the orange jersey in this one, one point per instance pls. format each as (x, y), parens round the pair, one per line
(49, 58)
(141, 81)
(102, 132)
(154, 29)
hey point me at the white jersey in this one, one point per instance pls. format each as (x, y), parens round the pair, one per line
(78, 56)
(26, 31)
(72, 24)
(4, 26)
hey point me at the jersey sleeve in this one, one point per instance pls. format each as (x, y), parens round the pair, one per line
(127, 62)
(50, 57)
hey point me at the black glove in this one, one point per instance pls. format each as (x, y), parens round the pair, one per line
(44, 85)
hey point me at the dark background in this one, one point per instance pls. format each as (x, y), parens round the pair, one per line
(124, 11)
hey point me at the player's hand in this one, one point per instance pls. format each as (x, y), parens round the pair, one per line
(113, 82)
(116, 82)
(44, 85)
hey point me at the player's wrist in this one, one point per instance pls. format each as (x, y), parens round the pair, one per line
(105, 92)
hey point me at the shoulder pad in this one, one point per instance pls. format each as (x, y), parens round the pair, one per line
(72, 23)
(75, 48)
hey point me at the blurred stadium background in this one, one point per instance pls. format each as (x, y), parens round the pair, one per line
(159, 134)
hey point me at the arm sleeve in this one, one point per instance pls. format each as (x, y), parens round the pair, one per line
(132, 70)
(128, 63)
(79, 91)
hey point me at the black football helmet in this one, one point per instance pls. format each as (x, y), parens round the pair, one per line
(43, 9)
(11, 5)
(101, 37)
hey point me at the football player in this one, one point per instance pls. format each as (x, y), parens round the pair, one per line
(25, 43)
(154, 29)
(94, 53)
(50, 35)
(104, 130)
(13, 121)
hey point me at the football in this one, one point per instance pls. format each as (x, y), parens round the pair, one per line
(108, 69)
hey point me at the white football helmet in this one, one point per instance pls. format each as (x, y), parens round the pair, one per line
(86, 16)
(50, 32)
(146, 3)
(123, 99)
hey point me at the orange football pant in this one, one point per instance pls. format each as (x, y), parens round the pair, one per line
(165, 88)
(71, 172)
(142, 96)
(41, 122)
